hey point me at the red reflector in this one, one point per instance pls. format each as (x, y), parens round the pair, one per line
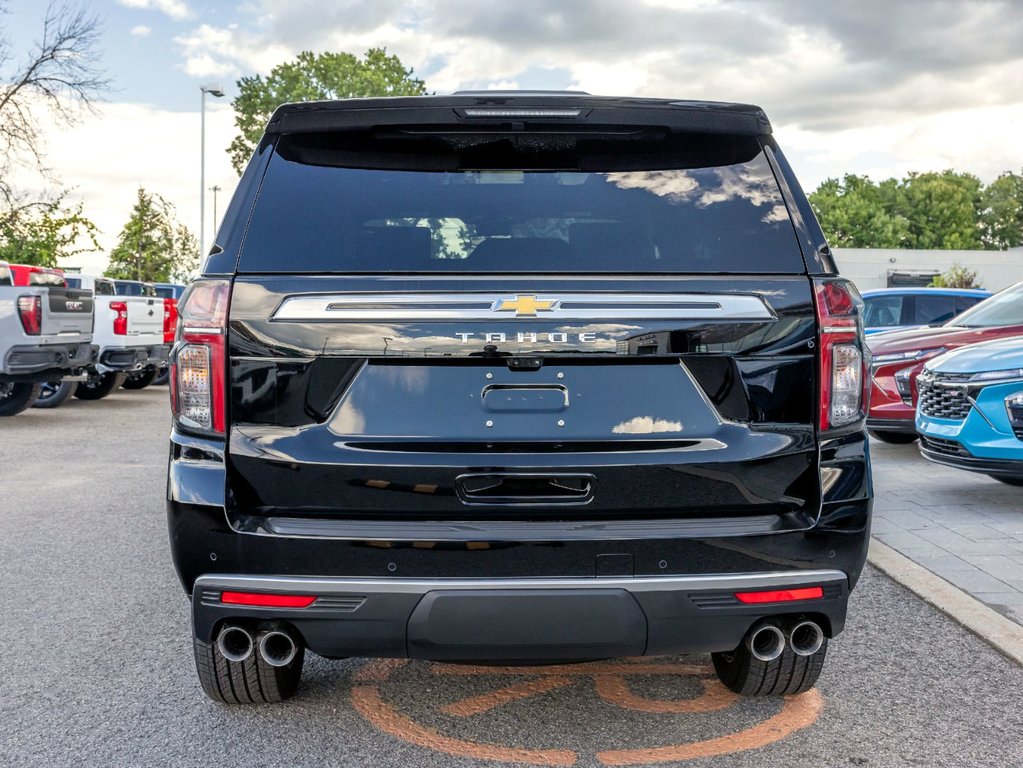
(781, 595)
(267, 601)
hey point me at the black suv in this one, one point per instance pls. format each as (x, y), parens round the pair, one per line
(518, 377)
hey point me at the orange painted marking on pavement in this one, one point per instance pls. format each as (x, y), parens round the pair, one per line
(615, 690)
(576, 670)
(370, 705)
(378, 670)
(797, 713)
(487, 701)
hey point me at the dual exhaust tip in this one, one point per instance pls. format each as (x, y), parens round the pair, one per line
(767, 641)
(276, 647)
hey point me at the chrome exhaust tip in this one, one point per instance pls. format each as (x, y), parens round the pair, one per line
(766, 642)
(235, 643)
(806, 638)
(277, 648)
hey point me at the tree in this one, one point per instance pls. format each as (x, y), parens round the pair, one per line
(943, 210)
(54, 84)
(152, 245)
(1002, 212)
(44, 232)
(957, 276)
(309, 77)
(856, 213)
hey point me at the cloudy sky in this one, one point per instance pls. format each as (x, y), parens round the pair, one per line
(870, 87)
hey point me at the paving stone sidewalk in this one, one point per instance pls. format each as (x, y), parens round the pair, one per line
(962, 526)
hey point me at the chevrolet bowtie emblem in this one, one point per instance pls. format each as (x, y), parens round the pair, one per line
(525, 306)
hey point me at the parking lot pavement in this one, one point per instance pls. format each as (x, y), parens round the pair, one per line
(97, 666)
(962, 526)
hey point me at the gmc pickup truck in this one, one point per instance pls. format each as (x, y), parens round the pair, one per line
(130, 334)
(502, 377)
(45, 334)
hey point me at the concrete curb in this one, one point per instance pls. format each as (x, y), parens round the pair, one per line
(1001, 633)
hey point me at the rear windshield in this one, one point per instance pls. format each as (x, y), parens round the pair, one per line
(5, 276)
(45, 278)
(666, 205)
(1005, 308)
(128, 288)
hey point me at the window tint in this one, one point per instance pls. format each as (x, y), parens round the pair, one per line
(933, 309)
(73, 282)
(5, 276)
(128, 288)
(148, 290)
(965, 302)
(45, 278)
(882, 311)
(626, 218)
(104, 288)
(1005, 308)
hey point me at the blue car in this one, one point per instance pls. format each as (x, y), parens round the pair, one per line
(970, 409)
(891, 309)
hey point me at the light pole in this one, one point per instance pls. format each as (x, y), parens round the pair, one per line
(214, 189)
(217, 91)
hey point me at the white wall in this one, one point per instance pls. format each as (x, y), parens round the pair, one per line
(868, 267)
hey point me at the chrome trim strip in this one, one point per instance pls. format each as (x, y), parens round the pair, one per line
(486, 306)
(325, 586)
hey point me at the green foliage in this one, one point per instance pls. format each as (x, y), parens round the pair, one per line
(957, 276)
(152, 245)
(44, 232)
(1002, 212)
(311, 77)
(923, 210)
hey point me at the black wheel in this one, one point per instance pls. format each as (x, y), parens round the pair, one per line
(163, 376)
(742, 672)
(251, 681)
(14, 398)
(894, 438)
(139, 379)
(54, 393)
(1008, 480)
(98, 386)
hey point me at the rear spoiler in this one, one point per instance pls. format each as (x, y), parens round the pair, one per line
(520, 109)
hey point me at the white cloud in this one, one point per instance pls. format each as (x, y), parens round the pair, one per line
(176, 9)
(141, 31)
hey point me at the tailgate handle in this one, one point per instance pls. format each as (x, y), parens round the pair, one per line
(518, 488)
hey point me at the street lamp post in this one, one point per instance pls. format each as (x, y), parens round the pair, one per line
(218, 92)
(214, 189)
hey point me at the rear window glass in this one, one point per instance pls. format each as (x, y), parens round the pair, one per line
(664, 206)
(45, 278)
(128, 288)
(104, 288)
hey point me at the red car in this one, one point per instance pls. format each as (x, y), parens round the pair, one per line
(898, 356)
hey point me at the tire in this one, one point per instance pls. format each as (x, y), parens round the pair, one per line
(789, 674)
(98, 386)
(251, 681)
(16, 397)
(1018, 481)
(162, 377)
(54, 393)
(893, 438)
(139, 379)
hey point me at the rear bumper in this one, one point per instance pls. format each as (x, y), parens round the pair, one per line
(114, 359)
(49, 361)
(521, 619)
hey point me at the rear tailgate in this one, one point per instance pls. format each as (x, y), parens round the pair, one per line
(689, 397)
(145, 318)
(67, 313)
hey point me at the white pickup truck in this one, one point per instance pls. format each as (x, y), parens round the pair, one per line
(45, 335)
(129, 332)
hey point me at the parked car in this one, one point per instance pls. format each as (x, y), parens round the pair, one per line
(970, 409)
(45, 335)
(130, 332)
(899, 356)
(169, 290)
(32, 274)
(892, 309)
(464, 381)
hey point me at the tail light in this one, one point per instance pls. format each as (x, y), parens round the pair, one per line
(170, 320)
(843, 367)
(120, 309)
(198, 365)
(30, 310)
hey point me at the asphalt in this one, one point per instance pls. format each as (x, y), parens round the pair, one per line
(97, 668)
